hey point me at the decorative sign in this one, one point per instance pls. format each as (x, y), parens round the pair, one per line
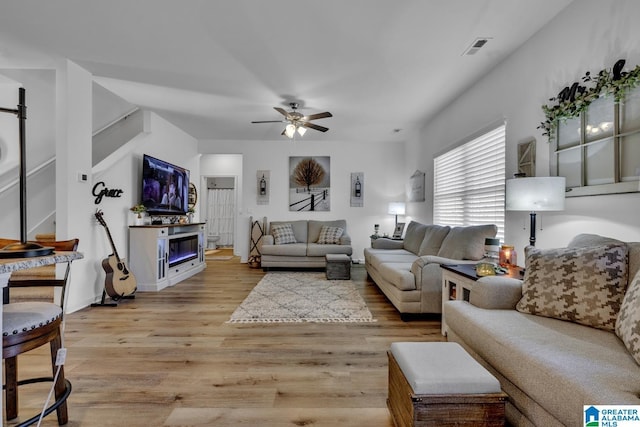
(527, 158)
(357, 189)
(417, 187)
(100, 190)
(263, 180)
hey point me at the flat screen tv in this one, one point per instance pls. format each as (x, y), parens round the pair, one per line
(165, 187)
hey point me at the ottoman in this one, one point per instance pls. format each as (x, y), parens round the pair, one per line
(338, 266)
(440, 384)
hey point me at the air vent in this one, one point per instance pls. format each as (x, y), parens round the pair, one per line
(476, 46)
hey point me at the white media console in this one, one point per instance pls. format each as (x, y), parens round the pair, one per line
(163, 255)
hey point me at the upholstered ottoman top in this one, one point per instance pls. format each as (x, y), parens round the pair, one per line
(442, 368)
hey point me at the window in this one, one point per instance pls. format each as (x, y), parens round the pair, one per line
(598, 152)
(469, 183)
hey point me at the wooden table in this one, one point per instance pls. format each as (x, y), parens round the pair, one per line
(458, 280)
(9, 265)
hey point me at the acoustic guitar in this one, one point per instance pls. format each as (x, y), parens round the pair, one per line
(119, 281)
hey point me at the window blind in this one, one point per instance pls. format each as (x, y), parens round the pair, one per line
(469, 183)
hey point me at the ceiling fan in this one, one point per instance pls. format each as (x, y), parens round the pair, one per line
(297, 122)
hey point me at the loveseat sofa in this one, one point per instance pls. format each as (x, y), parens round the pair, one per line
(304, 243)
(408, 271)
(581, 347)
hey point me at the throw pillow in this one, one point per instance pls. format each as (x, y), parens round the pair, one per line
(283, 234)
(628, 323)
(581, 284)
(330, 235)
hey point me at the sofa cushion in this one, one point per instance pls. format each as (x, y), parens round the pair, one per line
(466, 242)
(398, 273)
(292, 249)
(316, 249)
(580, 284)
(315, 227)
(433, 237)
(628, 323)
(413, 236)
(378, 256)
(330, 235)
(283, 234)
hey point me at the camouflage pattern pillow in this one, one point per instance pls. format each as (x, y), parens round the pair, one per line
(628, 324)
(583, 285)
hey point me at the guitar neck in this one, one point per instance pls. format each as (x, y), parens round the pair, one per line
(113, 246)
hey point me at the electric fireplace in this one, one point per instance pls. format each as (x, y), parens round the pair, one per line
(182, 249)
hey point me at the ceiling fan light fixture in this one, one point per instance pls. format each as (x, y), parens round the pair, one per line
(301, 130)
(290, 130)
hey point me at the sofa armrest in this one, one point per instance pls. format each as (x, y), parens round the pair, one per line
(496, 292)
(267, 239)
(345, 240)
(384, 243)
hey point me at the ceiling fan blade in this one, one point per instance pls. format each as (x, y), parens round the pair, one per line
(269, 121)
(281, 111)
(319, 116)
(314, 126)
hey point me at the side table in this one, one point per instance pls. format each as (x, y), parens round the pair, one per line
(458, 281)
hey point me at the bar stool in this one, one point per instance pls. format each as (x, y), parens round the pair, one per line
(30, 324)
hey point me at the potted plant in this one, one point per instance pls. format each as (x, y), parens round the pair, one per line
(190, 213)
(138, 210)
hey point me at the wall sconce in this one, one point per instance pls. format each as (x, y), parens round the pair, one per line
(535, 194)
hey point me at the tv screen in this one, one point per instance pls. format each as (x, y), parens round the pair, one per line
(165, 187)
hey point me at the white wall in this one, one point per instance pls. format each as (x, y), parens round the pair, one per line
(123, 170)
(588, 35)
(382, 165)
(60, 123)
(39, 87)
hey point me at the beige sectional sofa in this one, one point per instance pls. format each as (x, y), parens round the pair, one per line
(308, 246)
(408, 272)
(566, 355)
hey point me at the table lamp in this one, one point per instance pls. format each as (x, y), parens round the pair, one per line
(396, 208)
(535, 194)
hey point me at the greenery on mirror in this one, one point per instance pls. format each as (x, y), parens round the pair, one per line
(573, 100)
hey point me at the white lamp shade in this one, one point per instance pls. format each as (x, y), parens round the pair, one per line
(396, 208)
(290, 130)
(535, 194)
(302, 130)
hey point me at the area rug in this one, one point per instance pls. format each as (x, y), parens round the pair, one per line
(296, 297)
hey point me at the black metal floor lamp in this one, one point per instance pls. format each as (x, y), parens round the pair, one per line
(23, 249)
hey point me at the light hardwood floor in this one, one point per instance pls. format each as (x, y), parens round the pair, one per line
(169, 359)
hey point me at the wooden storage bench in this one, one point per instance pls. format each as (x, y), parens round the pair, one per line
(439, 384)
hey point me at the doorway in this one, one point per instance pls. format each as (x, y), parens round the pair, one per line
(221, 211)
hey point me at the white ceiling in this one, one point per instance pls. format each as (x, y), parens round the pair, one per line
(211, 67)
